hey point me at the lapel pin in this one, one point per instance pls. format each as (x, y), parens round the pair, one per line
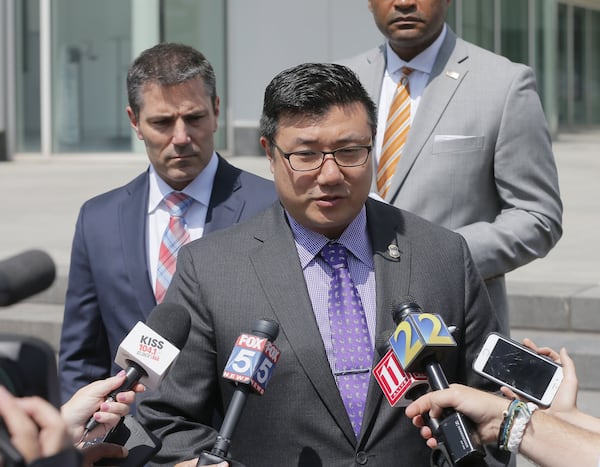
(393, 251)
(452, 74)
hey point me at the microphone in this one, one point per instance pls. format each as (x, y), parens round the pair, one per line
(24, 275)
(420, 339)
(250, 367)
(400, 388)
(419, 342)
(149, 350)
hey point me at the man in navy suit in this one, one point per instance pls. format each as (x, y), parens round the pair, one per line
(173, 108)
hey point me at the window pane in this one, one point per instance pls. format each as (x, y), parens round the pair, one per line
(91, 51)
(201, 24)
(27, 76)
(514, 30)
(478, 22)
(592, 68)
(540, 50)
(586, 66)
(451, 16)
(578, 64)
(563, 114)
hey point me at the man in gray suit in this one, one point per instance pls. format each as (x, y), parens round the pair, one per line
(478, 157)
(317, 129)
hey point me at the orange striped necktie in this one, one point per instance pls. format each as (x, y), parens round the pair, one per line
(396, 132)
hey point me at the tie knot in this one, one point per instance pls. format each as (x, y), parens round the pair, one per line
(178, 203)
(406, 71)
(336, 255)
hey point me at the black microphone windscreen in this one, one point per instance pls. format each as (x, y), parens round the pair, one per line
(266, 328)
(403, 306)
(171, 321)
(24, 275)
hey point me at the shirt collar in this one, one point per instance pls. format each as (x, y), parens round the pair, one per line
(200, 189)
(355, 238)
(422, 62)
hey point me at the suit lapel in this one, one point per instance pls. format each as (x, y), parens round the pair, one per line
(371, 76)
(280, 274)
(132, 230)
(447, 73)
(371, 73)
(225, 206)
(278, 269)
(392, 277)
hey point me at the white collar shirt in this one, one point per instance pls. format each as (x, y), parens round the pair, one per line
(200, 189)
(422, 65)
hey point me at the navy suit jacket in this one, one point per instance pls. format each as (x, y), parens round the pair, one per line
(109, 289)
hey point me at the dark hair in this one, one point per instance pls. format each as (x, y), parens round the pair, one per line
(168, 64)
(311, 89)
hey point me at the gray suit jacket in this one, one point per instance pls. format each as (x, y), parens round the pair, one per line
(478, 159)
(109, 288)
(300, 420)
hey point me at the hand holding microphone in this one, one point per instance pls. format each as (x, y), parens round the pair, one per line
(250, 367)
(419, 341)
(76, 411)
(149, 350)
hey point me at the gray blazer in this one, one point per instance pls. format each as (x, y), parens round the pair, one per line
(478, 159)
(255, 273)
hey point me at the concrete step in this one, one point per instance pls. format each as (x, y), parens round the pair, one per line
(40, 320)
(559, 307)
(554, 315)
(537, 306)
(44, 321)
(54, 295)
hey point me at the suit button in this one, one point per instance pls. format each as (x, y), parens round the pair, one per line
(362, 458)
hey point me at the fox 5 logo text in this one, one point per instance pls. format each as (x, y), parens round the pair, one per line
(252, 362)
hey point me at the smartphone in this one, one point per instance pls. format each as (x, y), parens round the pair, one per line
(511, 364)
(141, 443)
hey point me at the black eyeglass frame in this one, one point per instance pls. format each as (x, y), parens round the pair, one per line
(287, 155)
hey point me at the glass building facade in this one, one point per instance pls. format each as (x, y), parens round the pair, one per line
(559, 40)
(65, 61)
(67, 90)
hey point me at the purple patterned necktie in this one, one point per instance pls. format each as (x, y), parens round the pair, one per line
(352, 350)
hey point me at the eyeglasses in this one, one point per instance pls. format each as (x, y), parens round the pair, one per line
(304, 161)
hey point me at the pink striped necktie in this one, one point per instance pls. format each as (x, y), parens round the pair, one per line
(396, 132)
(175, 236)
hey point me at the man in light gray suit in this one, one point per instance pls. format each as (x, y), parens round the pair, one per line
(317, 129)
(478, 158)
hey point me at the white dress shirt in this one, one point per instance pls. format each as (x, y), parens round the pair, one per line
(417, 80)
(200, 189)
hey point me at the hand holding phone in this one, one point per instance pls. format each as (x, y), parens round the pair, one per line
(519, 368)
